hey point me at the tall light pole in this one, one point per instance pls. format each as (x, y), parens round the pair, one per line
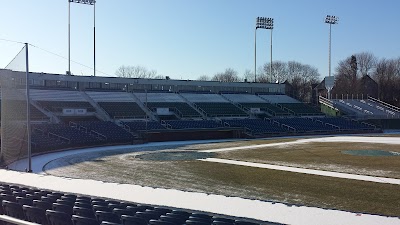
(262, 23)
(330, 20)
(329, 82)
(87, 2)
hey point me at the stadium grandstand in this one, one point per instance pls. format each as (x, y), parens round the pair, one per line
(72, 112)
(78, 111)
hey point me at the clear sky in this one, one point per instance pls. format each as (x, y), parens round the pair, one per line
(188, 38)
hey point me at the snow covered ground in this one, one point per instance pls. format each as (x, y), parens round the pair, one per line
(268, 211)
(306, 171)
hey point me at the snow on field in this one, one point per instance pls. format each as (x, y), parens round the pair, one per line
(234, 206)
(266, 211)
(380, 140)
(306, 171)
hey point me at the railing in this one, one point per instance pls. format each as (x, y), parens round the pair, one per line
(98, 135)
(392, 107)
(288, 127)
(13, 220)
(165, 124)
(286, 109)
(59, 137)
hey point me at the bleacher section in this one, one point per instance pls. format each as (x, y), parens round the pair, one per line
(57, 107)
(47, 137)
(181, 109)
(274, 99)
(220, 109)
(135, 126)
(108, 130)
(244, 98)
(123, 110)
(56, 95)
(366, 108)
(118, 105)
(301, 109)
(234, 110)
(256, 126)
(201, 97)
(50, 207)
(304, 125)
(345, 124)
(291, 105)
(271, 109)
(192, 124)
(248, 102)
(159, 97)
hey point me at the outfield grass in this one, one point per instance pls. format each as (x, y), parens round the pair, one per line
(324, 156)
(232, 180)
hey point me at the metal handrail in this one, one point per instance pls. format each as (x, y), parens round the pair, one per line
(13, 220)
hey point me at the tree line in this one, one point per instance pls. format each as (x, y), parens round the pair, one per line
(351, 72)
(349, 76)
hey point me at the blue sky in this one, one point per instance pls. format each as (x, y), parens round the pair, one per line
(187, 38)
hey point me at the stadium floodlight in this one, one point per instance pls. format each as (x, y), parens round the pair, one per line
(262, 23)
(86, 2)
(329, 19)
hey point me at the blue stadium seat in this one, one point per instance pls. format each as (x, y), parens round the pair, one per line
(80, 220)
(58, 218)
(35, 215)
(13, 209)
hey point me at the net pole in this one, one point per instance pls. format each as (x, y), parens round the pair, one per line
(28, 107)
(94, 38)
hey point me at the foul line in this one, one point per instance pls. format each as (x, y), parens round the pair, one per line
(306, 171)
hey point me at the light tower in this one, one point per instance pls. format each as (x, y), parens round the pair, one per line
(330, 81)
(86, 2)
(262, 23)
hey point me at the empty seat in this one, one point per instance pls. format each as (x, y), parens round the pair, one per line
(63, 208)
(107, 216)
(24, 201)
(121, 212)
(68, 202)
(101, 208)
(161, 222)
(132, 220)
(84, 212)
(173, 219)
(196, 222)
(80, 220)
(58, 218)
(109, 223)
(35, 214)
(42, 204)
(83, 205)
(8, 197)
(13, 209)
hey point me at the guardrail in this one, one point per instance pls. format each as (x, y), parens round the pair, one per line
(13, 220)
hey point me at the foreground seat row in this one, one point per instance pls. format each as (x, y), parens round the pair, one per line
(55, 208)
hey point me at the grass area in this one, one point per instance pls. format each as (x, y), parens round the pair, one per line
(325, 156)
(231, 180)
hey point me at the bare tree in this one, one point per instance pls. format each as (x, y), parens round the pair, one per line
(230, 75)
(346, 77)
(300, 76)
(366, 63)
(279, 71)
(204, 78)
(388, 78)
(248, 75)
(136, 72)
